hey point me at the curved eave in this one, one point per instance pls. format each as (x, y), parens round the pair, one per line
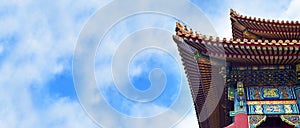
(248, 52)
(266, 27)
(256, 20)
(207, 40)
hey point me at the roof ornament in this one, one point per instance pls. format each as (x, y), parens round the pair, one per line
(224, 39)
(191, 32)
(217, 39)
(197, 35)
(179, 29)
(277, 21)
(185, 31)
(273, 21)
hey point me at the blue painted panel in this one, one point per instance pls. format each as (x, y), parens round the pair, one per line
(270, 93)
(273, 109)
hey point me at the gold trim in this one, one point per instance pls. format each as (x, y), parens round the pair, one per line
(286, 120)
(272, 102)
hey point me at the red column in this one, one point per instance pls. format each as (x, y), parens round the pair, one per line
(240, 121)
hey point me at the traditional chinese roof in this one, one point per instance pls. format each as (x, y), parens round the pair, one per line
(244, 27)
(243, 51)
(255, 42)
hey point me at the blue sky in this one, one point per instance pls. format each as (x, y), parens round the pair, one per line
(37, 42)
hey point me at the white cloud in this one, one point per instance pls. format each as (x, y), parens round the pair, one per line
(65, 114)
(292, 11)
(45, 38)
(45, 35)
(136, 71)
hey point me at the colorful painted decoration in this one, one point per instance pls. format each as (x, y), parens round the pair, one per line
(240, 89)
(270, 93)
(256, 120)
(297, 90)
(280, 67)
(240, 99)
(196, 55)
(272, 102)
(291, 119)
(231, 93)
(273, 109)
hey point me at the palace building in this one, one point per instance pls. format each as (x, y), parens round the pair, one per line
(253, 79)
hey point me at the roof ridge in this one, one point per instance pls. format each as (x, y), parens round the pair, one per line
(235, 14)
(190, 35)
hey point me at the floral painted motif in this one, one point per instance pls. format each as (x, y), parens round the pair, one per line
(256, 120)
(273, 109)
(270, 93)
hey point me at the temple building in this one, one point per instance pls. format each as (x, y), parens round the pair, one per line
(253, 79)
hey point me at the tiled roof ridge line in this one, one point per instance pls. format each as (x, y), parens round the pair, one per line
(197, 37)
(234, 14)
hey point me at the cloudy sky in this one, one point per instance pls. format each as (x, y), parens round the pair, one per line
(37, 44)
